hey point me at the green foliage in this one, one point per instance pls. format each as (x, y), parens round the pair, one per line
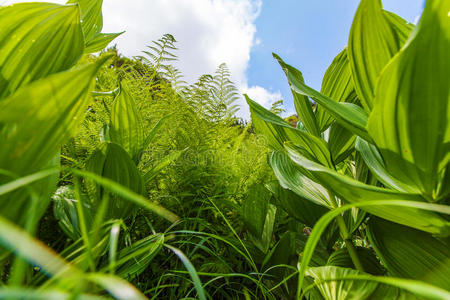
(394, 170)
(120, 180)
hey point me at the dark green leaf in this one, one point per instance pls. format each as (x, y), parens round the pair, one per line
(410, 253)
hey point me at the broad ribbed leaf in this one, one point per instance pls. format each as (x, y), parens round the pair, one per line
(353, 191)
(254, 209)
(410, 253)
(37, 39)
(372, 158)
(301, 102)
(344, 289)
(126, 124)
(337, 84)
(113, 162)
(294, 178)
(91, 14)
(38, 118)
(305, 211)
(277, 131)
(92, 23)
(336, 283)
(410, 120)
(372, 43)
(348, 115)
(341, 258)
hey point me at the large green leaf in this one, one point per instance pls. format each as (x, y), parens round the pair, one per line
(92, 22)
(337, 290)
(294, 178)
(348, 115)
(337, 84)
(301, 102)
(91, 14)
(113, 162)
(38, 118)
(410, 253)
(304, 210)
(277, 131)
(372, 158)
(336, 283)
(413, 286)
(371, 45)
(410, 120)
(254, 209)
(37, 39)
(354, 191)
(126, 127)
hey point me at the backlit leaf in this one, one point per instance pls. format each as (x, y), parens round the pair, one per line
(410, 120)
(36, 40)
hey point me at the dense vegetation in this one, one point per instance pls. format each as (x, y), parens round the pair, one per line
(118, 179)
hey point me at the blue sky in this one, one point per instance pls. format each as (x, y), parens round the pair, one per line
(307, 35)
(243, 33)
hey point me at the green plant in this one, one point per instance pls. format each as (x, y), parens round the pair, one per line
(375, 154)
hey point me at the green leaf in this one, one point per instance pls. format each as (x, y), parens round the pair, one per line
(375, 163)
(35, 252)
(354, 191)
(348, 115)
(254, 209)
(341, 283)
(281, 254)
(303, 210)
(113, 162)
(100, 41)
(134, 259)
(410, 253)
(341, 258)
(91, 16)
(301, 102)
(336, 290)
(65, 212)
(294, 179)
(322, 224)
(341, 143)
(127, 194)
(36, 40)
(192, 272)
(371, 45)
(410, 120)
(337, 84)
(41, 116)
(126, 127)
(119, 288)
(277, 131)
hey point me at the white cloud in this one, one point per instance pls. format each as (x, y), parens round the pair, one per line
(261, 95)
(209, 32)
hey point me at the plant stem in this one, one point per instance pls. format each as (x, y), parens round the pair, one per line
(349, 244)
